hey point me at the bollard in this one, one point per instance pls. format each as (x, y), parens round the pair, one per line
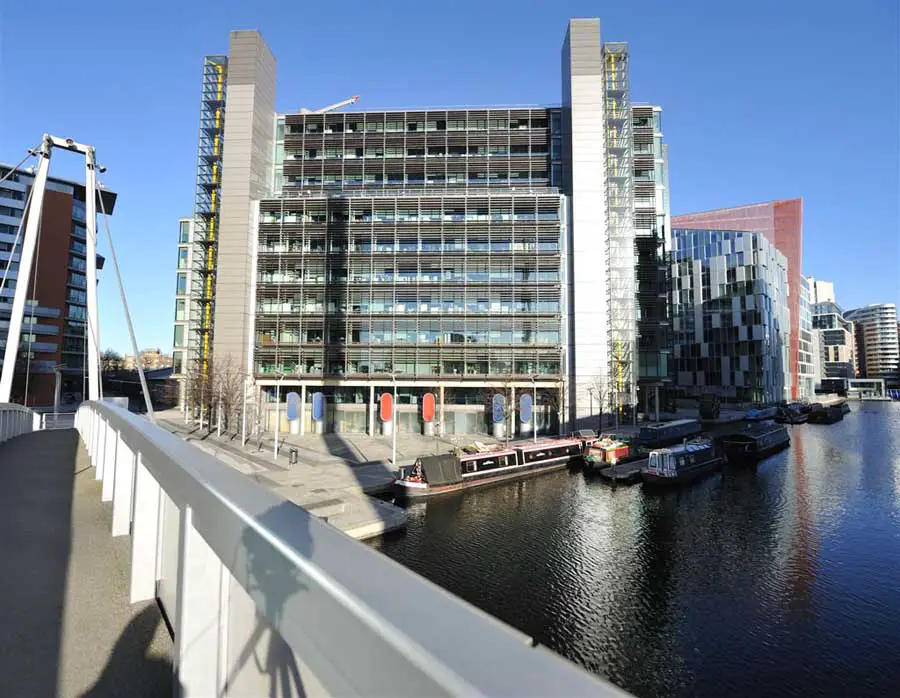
(292, 456)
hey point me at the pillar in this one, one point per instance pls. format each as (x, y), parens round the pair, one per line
(441, 429)
(371, 410)
(512, 413)
(302, 409)
(656, 403)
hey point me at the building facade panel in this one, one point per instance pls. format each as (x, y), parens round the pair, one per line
(782, 224)
(730, 315)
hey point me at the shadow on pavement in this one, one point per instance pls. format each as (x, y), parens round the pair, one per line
(36, 483)
(129, 671)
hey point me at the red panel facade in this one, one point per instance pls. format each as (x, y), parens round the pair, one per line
(782, 224)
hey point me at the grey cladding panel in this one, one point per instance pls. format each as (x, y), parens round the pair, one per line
(583, 42)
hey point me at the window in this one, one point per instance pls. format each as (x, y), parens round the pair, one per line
(78, 247)
(76, 312)
(76, 296)
(184, 231)
(182, 257)
(179, 336)
(180, 310)
(181, 284)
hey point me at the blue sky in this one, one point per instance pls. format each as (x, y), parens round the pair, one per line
(762, 100)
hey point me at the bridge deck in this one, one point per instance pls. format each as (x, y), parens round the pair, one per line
(68, 627)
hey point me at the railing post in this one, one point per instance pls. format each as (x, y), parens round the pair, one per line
(109, 463)
(145, 534)
(2, 426)
(99, 448)
(122, 488)
(199, 616)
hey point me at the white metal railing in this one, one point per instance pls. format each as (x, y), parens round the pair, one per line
(57, 420)
(16, 420)
(260, 592)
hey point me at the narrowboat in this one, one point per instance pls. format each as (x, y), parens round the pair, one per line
(431, 475)
(825, 414)
(668, 433)
(791, 414)
(758, 414)
(755, 442)
(682, 463)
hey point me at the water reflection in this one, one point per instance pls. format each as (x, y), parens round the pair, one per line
(776, 579)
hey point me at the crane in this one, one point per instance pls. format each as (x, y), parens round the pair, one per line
(323, 110)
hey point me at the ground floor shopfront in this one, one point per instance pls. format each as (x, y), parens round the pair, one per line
(460, 407)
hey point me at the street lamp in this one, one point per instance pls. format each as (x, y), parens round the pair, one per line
(533, 409)
(244, 412)
(394, 423)
(591, 398)
(280, 376)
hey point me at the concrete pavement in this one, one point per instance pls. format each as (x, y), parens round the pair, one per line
(68, 628)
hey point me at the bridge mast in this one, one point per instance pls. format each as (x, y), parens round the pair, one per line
(26, 262)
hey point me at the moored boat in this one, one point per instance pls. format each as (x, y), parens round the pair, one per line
(791, 414)
(667, 433)
(825, 414)
(607, 450)
(757, 414)
(755, 442)
(682, 463)
(431, 475)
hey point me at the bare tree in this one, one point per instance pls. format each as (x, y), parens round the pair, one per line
(600, 389)
(509, 409)
(220, 387)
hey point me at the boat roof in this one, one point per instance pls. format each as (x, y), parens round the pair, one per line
(483, 454)
(675, 422)
(689, 447)
(549, 443)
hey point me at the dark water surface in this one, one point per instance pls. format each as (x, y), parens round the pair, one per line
(779, 580)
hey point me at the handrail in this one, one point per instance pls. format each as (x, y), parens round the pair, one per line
(16, 420)
(358, 622)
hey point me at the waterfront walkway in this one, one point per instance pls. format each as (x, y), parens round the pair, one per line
(68, 628)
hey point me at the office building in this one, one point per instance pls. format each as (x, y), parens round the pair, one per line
(187, 332)
(730, 315)
(782, 224)
(653, 251)
(53, 341)
(876, 341)
(462, 251)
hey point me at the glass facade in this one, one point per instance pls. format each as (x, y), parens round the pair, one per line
(781, 222)
(452, 286)
(730, 315)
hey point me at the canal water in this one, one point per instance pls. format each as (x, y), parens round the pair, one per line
(778, 580)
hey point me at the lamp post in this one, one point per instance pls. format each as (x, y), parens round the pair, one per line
(394, 423)
(277, 413)
(591, 399)
(533, 409)
(244, 412)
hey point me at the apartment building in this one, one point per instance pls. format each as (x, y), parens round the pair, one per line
(462, 252)
(52, 347)
(833, 335)
(730, 315)
(877, 341)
